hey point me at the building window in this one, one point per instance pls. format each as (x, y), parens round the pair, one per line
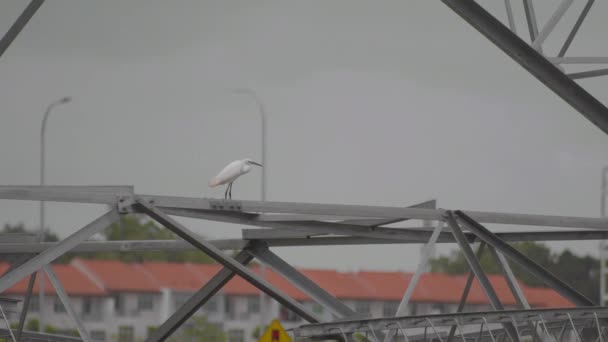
(253, 304)
(58, 306)
(362, 307)
(87, 306)
(229, 307)
(236, 335)
(98, 335)
(389, 309)
(118, 304)
(145, 302)
(125, 334)
(317, 308)
(437, 308)
(34, 305)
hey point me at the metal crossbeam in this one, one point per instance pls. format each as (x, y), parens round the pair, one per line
(531, 19)
(467, 289)
(66, 193)
(122, 246)
(280, 241)
(283, 241)
(510, 18)
(187, 207)
(41, 337)
(26, 305)
(225, 260)
(442, 320)
(481, 276)
(432, 204)
(197, 300)
(587, 74)
(510, 279)
(303, 283)
(578, 60)
(65, 300)
(47, 256)
(19, 24)
(277, 233)
(402, 309)
(531, 59)
(550, 25)
(491, 239)
(225, 208)
(575, 28)
(306, 227)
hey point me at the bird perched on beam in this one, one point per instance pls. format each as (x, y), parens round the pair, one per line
(230, 173)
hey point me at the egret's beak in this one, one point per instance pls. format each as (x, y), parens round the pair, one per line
(254, 163)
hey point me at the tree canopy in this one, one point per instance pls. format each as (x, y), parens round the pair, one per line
(582, 273)
(19, 228)
(132, 227)
(199, 329)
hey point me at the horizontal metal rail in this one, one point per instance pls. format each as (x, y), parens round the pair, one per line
(110, 194)
(221, 206)
(66, 193)
(498, 317)
(281, 241)
(42, 337)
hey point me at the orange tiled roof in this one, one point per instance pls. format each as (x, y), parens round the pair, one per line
(99, 277)
(119, 276)
(73, 281)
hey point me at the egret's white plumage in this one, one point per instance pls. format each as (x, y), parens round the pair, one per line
(230, 173)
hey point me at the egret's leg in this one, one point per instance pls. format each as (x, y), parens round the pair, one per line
(226, 192)
(230, 192)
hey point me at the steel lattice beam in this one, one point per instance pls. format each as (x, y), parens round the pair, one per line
(328, 329)
(532, 60)
(19, 24)
(197, 300)
(480, 274)
(491, 239)
(225, 260)
(303, 283)
(47, 256)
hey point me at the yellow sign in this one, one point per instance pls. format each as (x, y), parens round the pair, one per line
(275, 333)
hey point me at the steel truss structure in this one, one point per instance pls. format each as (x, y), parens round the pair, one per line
(305, 224)
(308, 224)
(549, 69)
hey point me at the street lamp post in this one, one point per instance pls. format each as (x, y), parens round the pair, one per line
(262, 110)
(604, 192)
(50, 107)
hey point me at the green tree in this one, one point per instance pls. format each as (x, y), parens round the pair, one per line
(132, 227)
(582, 273)
(32, 325)
(198, 329)
(258, 331)
(19, 228)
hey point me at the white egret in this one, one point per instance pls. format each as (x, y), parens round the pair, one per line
(230, 173)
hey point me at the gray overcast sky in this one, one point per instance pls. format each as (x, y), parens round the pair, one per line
(369, 102)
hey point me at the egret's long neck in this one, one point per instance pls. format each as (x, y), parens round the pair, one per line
(246, 168)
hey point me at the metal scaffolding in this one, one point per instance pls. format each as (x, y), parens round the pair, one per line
(307, 224)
